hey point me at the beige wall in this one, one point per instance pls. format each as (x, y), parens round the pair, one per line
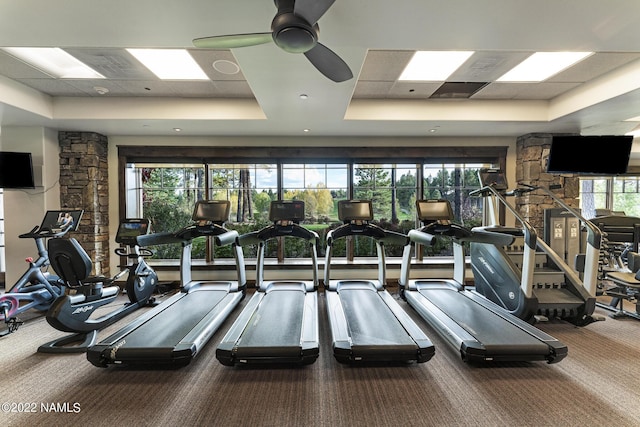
(24, 209)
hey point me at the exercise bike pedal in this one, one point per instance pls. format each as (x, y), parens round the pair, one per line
(13, 324)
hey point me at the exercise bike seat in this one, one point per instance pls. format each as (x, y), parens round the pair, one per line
(72, 263)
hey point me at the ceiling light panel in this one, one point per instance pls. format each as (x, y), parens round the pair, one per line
(54, 61)
(170, 64)
(542, 65)
(434, 65)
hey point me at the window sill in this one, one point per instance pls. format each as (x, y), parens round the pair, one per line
(304, 263)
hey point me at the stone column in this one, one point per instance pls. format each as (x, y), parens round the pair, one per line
(84, 185)
(532, 152)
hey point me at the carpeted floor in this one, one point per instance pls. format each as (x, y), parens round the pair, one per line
(598, 384)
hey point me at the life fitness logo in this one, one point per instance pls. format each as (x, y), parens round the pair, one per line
(83, 309)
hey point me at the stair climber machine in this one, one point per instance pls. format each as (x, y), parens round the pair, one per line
(171, 334)
(536, 283)
(367, 323)
(80, 310)
(279, 324)
(476, 327)
(37, 288)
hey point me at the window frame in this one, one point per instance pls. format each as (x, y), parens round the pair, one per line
(495, 155)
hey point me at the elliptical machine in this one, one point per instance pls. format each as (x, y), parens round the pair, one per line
(72, 313)
(37, 288)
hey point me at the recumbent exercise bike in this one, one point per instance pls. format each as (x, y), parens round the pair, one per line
(73, 312)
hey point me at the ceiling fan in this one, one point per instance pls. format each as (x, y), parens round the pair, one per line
(294, 29)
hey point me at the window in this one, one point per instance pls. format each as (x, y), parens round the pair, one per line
(454, 182)
(602, 196)
(165, 193)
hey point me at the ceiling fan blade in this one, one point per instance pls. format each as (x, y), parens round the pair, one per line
(311, 10)
(232, 41)
(328, 63)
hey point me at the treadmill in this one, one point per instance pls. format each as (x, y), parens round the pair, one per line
(279, 324)
(172, 333)
(367, 323)
(479, 329)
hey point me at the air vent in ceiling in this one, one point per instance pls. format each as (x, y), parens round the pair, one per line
(458, 90)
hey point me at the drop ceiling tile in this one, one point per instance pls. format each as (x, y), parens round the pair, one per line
(384, 65)
(372, 90)
(594, 66)
(403, 89)
(53, 87)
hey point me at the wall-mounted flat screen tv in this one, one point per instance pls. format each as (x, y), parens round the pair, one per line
(599, 155)
(16, 170)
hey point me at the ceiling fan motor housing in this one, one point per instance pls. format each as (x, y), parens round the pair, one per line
(292, 33)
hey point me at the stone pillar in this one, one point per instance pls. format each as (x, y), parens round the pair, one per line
(532, 152)
(84, 185)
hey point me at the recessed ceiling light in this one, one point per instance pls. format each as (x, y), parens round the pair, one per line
(434, 65)
(54, 61)
(177, 129)
(225, 67)
(306, 130)
(304, 96)
(170, 64)
(542, 65)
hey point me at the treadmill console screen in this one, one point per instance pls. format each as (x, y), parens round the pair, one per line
(131, 228)
(286, 210)
(434, 210)
(211, 210)
(493, 177)
(355, 210)
(57, 221)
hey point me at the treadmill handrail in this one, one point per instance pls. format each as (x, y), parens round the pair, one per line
(291, 230)
(379, 234)
(259, 238)
(192, 231)
(159, 239)
(227, 238)
(368, 230)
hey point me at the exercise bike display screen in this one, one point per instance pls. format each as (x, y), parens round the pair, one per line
(494, 178)
(58, 221)
(286, 210)
(211, 210)
(434, 210)
(355, 210)
(129, 229)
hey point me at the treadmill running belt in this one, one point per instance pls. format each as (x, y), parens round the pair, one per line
(370, 321)
(171, 325)
(277, 322)
(491, 330)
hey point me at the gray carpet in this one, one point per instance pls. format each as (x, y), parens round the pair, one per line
(598, 384)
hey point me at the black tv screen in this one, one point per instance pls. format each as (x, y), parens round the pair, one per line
(16, 170)
(599, 155)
